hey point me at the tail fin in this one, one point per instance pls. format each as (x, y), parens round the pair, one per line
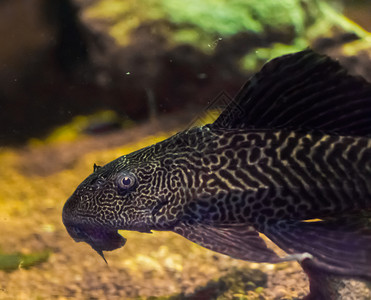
(339, 247)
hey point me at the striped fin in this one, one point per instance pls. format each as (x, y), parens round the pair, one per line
(235, 240)
(304, 90)
(339, 247)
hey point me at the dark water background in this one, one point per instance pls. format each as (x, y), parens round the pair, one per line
(84, 81)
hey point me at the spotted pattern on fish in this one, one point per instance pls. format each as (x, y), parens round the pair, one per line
(294, 146)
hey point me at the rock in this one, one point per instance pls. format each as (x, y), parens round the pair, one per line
(236, 282)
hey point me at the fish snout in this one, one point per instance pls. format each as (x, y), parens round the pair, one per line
(81, 229)
(69, 213)
(71, 221)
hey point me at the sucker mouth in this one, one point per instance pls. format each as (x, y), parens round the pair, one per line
(98, 238)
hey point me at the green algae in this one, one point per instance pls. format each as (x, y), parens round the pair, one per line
(14, 261)
(287, 25)
(200, 24)
(254, 59)
(191, 21)
(354, 48)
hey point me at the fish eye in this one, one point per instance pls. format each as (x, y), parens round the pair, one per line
(126, 181)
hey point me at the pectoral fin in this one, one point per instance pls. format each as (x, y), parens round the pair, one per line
(236, 240)
(337, 246)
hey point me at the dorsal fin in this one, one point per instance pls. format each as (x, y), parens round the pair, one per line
(304, 90)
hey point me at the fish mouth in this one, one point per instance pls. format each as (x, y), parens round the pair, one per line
(100, 239)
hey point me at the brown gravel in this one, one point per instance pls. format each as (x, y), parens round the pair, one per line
(150, 265)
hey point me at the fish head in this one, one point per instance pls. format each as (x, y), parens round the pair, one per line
(115, 196)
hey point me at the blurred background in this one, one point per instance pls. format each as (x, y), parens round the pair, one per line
(85, 81)
(64, 58)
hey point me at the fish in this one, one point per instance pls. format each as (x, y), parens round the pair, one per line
(289, 158)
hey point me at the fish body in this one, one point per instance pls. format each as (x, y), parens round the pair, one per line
(294, 145)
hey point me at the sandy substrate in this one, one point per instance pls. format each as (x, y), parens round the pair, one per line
(35, 183)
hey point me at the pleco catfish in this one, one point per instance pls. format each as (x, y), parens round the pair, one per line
(294, 146)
